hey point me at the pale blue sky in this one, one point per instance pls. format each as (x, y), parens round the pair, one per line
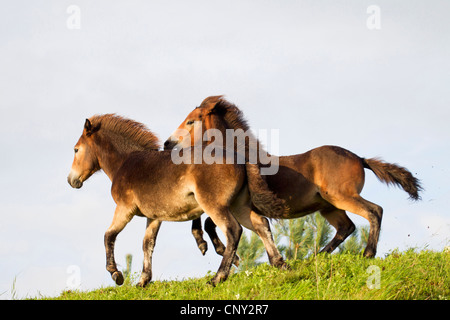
(312, 70)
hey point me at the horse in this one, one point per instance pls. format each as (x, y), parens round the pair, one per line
(328, 179)
(146, 183)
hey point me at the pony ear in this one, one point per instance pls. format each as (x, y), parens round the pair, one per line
(90, 129)
(212, 104)
(88, 125)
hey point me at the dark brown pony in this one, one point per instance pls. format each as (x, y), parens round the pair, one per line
(146, 182)
(328, 179)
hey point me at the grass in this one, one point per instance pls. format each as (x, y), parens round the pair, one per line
(419, 275)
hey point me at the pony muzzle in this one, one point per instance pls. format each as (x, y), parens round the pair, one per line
(170, 144)
(74, 181)
(181, 138)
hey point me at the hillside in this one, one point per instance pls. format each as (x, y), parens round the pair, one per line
(401, 275)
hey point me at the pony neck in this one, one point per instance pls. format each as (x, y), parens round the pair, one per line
(109, 156)
(252, 146)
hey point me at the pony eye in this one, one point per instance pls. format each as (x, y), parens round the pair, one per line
(190, 122)
(76, 150)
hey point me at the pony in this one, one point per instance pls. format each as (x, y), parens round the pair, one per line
(146, 183)
(328, 179)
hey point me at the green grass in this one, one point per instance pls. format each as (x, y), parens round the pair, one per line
(402, 275)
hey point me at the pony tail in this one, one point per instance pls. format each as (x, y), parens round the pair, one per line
(262, 197)
(394, 174)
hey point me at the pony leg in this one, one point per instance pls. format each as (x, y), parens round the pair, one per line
(366, 209)
(148, 245)
(256, 223)
(197, 232)
(121, 218)
(210, 229)
(343, 225)
(223, 218)
(262, 228)
(260, 225)
(373, 213)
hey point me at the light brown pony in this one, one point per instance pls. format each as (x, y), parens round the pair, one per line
(146, 182)
(328, 179)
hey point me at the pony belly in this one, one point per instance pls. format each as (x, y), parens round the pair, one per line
(171, 209)
(190, 215)
(175, 215)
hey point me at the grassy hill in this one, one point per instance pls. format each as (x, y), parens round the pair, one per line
(401, 275)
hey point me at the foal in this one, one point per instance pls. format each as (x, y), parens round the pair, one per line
(146, 182)
(328, 179)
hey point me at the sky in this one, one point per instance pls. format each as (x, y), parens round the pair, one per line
(328, 72)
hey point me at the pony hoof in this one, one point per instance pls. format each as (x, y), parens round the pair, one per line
(144, 281)
(236, 261)
(211, 283)
(203, 247)
(218, 278)
(285, 266)
(117, 277)
(141, 284)
(369, 253)
(214, 281)
(280, 264)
